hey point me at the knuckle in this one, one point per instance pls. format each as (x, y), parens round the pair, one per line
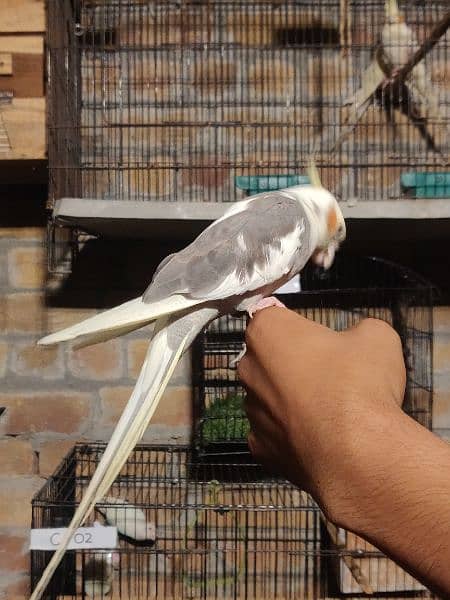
(389, 332)
(379, 327)
(383, 334)
(374, 324)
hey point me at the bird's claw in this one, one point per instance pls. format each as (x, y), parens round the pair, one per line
(264, 303)
(235, 361)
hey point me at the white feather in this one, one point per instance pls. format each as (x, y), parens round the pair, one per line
(118, 320)
(241, 243)
(278, 264)
(129, 519)
(234, 209)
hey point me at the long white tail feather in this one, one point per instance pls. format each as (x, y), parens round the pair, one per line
(104, 336)
(157, 358)
(143, 414)
(158, 367)
(118, 320)
(155, 374)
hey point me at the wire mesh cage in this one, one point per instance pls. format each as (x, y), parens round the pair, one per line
(174, 100)
(216, 533)
(354, 288)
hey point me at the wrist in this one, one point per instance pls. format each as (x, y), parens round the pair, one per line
(398, 501)
(363, 468)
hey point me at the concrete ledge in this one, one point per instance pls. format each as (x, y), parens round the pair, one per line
(133, 219)
(398, 209)
(182, 220)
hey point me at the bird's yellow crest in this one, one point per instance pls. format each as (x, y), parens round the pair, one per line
(313, 173)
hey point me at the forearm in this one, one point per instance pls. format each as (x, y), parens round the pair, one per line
(400, 500)
(324, 409)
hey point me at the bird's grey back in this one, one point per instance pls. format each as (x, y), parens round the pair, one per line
(239, 243)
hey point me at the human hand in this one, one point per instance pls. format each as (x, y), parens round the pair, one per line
(321, 402)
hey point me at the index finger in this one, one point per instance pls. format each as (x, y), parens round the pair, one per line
(274, 327)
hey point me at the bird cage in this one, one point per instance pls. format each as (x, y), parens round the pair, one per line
(354, 288)
(217, 533)
(189, 101)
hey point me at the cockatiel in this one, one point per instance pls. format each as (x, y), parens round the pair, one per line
(398, 43)
(233, 265)
(129, 519)
(415, 97)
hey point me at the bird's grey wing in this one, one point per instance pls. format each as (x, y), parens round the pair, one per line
(236, 253)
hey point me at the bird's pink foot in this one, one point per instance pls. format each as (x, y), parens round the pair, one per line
(265, 303)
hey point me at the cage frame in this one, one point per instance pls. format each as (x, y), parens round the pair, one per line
(273, 528)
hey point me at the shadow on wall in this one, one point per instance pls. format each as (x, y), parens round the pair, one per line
(108, 272)
(23, 205)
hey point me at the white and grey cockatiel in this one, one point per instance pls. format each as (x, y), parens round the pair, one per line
(415, 97)
(233, 265)
(130, 520)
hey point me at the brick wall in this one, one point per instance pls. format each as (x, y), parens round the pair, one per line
(55, 397)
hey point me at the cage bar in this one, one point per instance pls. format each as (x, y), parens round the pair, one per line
(173, 100)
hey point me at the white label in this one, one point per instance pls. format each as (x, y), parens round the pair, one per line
(290, 287)
(93, 538)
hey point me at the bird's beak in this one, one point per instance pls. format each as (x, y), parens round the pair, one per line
(324, 256)
(341, 232)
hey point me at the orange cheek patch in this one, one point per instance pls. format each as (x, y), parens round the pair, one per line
(332, 222)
